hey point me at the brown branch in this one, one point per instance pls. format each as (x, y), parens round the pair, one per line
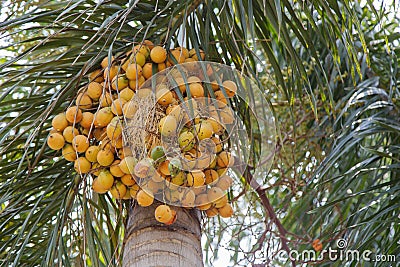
(268, 208)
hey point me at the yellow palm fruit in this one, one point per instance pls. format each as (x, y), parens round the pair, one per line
(214, 85)
(196, 178)
(225, 159)
(94, 90)
(80, 143)
(221, 202)
(83, 101)
(105, 144)
(218, 144)
(110, 73)
(144, 199)
(227, 116)
(211, 176)
(117, 106)
(224, 182)
(105, 179)
(180, 82)
(115, 169)
(176, 56)
(96, 168)
(212, 212)
(193, 79)
(226, 211)
(230, 88)
(218, 128)
(104, 62)
(127, 194)
(222, 100)
(164, 97)
(157, 178)
(87, 132)
(119, 82)
(144, 168)
(128, 180)
(82, 165)
(163, 213)
(214, 194)
(186, 141)
(147, 70)
(143, 92)
(133, 71)
(194, 55)
(161, 66)
(103, 117)
(59, 122)
(118, 190)
(204, 161)
(163, 168)
(69, 153)
(97, 187)
(199, 190)
(173, 219)
(141, 48)
(105, 100)
(196, 90)
(179, 179)
(127, 94)
(135, 58)
(105, 157)
(149, 44)
(135, 84)
(91, 153)
(69, 133)
(87, 120)
(127, 165)
(138, 58)
(100, 133)
(202, 202)
(114, 129)
(167, 126)
(221, 171)
(133, 190)
(96, 76)
(73, 114)
(158, 54)
(204, 130)
(55, 140)
(129, 110)
(184, 51)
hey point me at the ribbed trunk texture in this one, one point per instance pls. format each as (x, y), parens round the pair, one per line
(150, 243)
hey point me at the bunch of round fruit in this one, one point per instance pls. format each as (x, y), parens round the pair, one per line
(188, 166)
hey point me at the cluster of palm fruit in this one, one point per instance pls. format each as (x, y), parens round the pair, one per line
(90, 133)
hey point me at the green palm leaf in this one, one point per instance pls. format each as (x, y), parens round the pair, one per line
(49, 216)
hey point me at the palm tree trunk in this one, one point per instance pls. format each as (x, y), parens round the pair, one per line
(150, 243)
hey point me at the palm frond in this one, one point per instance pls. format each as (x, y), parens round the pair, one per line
(48, 215)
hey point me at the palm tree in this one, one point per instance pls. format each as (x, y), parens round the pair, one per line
(330, 69)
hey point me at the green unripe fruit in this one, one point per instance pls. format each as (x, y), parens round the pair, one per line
(186, 141)
(158, 154)
(174, 167)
